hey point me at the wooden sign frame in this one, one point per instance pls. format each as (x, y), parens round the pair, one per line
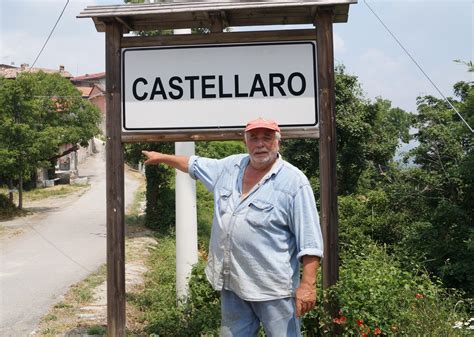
(115, 21)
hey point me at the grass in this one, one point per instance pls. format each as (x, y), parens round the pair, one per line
(200, 316)
(54, 191)
(133, 217)
(8, 210)
(11, 214)
(96, 330)
(57, 191)
(49, 332)
(63, 316)
(62, 305)
(50, 317)
(84, 291)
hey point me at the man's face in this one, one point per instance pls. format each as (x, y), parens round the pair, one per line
(262, 146)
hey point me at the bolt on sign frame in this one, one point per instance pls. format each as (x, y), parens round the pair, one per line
(118, 20)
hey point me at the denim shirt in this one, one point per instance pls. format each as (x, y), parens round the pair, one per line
(257, 241)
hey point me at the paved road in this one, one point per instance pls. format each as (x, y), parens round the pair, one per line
(60, 247)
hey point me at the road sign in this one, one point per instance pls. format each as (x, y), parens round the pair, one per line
(219, 86)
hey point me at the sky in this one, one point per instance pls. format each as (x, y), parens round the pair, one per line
(435, 32)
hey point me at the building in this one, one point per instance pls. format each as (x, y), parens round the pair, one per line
(11, 72)
(92, 87)
(89, 80)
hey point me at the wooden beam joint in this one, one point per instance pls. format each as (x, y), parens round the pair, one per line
(217, 21)
(324, 11)
(125, 24)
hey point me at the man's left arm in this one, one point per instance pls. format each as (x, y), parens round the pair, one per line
(305, 295)
(309, 241)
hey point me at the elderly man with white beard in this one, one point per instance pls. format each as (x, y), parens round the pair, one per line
(265, 226)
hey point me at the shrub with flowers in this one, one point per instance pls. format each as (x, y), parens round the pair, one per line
(377, 298)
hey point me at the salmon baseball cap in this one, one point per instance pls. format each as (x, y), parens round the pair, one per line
(261, 123)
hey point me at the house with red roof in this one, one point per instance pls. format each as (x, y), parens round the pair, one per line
(88, 80)
(92, 87)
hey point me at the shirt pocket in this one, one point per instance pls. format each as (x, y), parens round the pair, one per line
(260, 213)
(224, 201)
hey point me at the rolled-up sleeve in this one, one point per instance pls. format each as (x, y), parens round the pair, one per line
(206, 170)
(305, 223)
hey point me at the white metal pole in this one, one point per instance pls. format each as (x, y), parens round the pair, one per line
(186, 223)
(186, 217)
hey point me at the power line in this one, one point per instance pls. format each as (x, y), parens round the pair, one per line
(419, 67)
(51, 33)
(67, 256)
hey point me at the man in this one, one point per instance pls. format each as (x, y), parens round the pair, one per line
(265, 223)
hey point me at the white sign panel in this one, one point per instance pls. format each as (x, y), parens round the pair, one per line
(219, 86)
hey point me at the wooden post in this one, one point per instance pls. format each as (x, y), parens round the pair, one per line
(115, 186)
(327, 146)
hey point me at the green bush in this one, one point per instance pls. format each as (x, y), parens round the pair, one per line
(96, 330)
(202, 310)
(167, 317)
(158, 300)
(376, 296)
(220, 149)
(205, 212)
(7, 207)
(160, 197)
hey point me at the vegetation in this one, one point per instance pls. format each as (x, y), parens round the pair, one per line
(422, 211)
(83, 292)
(377, 296)
(200, 314)
(405, 229)
(7, 208)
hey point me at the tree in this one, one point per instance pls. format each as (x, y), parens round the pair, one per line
(367, 135)
(38, 113)
(423, 213)
(445, 179)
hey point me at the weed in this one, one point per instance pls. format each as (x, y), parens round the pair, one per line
(50, 317)
(48, 332)
(62, 305)
(83, 292)
(8, 209)
(55, 191)
(96, 330)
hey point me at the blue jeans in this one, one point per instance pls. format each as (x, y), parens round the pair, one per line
(242, 318)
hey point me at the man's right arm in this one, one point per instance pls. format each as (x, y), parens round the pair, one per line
(178, 162)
